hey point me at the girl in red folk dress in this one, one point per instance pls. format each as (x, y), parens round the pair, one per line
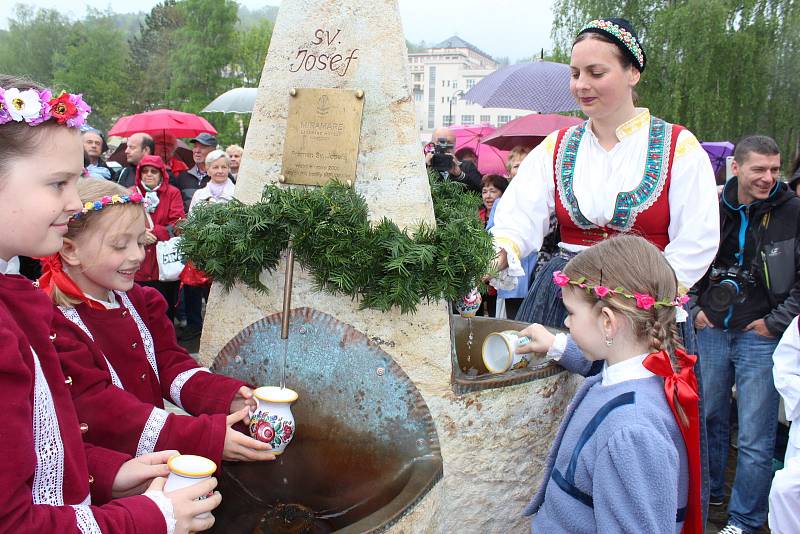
(51, 480)
(124, 359)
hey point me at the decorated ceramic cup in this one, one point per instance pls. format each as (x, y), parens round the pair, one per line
(499, 351)
(470, 304)
(272, 421)
(187, 470)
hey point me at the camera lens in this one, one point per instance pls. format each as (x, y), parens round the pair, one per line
(722, 295)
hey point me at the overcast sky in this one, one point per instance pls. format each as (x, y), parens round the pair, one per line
(513, 28)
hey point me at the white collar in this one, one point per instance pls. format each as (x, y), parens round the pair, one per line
(9, 267)
(630, 369)
(110, 304)
(639, 124)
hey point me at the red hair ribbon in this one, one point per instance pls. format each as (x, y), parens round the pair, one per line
(682, 386)
(53, 275)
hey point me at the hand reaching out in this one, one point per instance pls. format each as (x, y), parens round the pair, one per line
(243, 399)
(136, 474)
(239, 447)
(541, 339)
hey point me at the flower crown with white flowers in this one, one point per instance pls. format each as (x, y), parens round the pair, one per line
(35, 107)
(643, 300)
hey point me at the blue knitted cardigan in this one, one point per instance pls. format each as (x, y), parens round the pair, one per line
(618, 462)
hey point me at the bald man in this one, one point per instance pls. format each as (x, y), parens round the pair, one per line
(139, 145)
(464, 172)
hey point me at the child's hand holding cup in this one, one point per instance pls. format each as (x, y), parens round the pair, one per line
(188, 470)
(499, 351)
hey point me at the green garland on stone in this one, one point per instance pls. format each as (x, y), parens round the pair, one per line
(379, 264)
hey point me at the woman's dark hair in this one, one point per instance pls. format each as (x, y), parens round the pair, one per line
(18, 139)
(500, 182)
(624, 59)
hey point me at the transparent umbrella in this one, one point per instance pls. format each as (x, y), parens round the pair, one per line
(239, 100)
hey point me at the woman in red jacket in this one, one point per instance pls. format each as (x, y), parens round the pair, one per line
(164, 208)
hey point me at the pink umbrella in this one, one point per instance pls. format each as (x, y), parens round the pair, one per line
(490, 159)
(177, 123)
(529, 130)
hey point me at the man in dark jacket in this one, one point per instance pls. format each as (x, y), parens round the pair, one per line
(740, 309)
(139, 145)
(94, 145)
(464, 172)
(196, 177)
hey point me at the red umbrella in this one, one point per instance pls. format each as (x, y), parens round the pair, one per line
(177, 123)
(529, 130)
(490, 159)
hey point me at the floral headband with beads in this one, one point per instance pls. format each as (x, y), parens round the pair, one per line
(35, 107)
(643, 300)
(98, 205)
(621, 35)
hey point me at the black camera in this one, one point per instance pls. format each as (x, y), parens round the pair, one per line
(442, 158)
(728, 286)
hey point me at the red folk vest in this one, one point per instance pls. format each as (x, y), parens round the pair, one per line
(643, 211)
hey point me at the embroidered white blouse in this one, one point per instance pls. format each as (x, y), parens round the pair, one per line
(522, 219)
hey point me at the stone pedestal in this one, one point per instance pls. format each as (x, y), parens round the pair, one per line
(493, 442)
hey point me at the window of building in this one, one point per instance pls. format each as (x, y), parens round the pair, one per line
(470, 83)
(502, 119)
(447, 120)
(467, 119)
(431, 96)
(455, 84)
(418, 96)
(486, 119)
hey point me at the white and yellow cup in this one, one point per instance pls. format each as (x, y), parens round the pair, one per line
(187, 470)
(499, 350)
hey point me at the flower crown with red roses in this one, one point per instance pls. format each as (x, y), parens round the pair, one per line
(643, 300)
(35, 107)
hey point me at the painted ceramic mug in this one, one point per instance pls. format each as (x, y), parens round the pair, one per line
(499, 351)
(469, 305)
(272, 421)
(187, 470)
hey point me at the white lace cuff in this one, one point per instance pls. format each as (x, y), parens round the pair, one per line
(507, 279)
(165, 505)
(556, 350)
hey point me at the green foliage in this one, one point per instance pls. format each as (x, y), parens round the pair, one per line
(332, 237)
(27, 48)
(253, 46)
(149, 57)
(91, 42)
(723, 68)
(205, 46)
(180, 55)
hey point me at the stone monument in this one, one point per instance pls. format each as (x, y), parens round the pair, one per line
(493, 442)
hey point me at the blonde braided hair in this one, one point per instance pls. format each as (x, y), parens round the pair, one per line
(639, 266)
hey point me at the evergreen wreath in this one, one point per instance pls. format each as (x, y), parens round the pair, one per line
(332, 237)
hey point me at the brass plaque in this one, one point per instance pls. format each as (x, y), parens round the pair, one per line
(322, 135)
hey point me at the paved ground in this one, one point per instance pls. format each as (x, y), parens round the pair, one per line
(718, 515)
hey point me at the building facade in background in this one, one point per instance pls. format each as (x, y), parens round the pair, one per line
(439, 78)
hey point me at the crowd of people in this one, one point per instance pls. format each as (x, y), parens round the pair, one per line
(672, 294)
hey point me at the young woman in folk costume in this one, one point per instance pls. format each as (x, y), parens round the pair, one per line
(52, 481)
(621, 171)
(627, 455)
(122, 355)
